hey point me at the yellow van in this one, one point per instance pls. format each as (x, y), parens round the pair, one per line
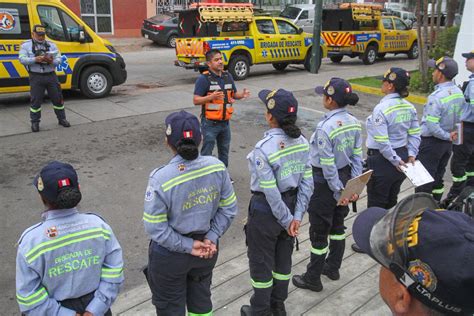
(89, 62)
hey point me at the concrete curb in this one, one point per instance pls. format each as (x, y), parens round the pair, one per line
(418, 99)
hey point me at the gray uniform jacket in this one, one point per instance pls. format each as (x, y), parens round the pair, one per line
(278, 164)
(442, 111)
(468, 111)
(27, 56)
(188, 197)
(66, 256)
(393, 124)
(337, 143)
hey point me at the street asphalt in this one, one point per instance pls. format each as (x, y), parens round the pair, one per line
(117, 141)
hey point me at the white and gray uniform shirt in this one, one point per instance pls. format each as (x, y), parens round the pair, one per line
(442, 111)
(27, 56)
(278, 164)
(393, 124)
(188, 197)
(335, 144)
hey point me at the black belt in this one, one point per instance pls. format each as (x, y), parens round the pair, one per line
(436, 138)
(320, 170)
(196, 236)
(289, 193)
(371, 152)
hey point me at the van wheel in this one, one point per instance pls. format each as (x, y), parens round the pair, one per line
(370, 55)
(280, 66)
(96, 82)
(414, 51)
(239, 67)
(336, 59)
(307, 60)
(171, 42)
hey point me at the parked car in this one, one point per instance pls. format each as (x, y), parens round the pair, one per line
(161, 29)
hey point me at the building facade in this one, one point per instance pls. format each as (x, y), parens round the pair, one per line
(113, 18)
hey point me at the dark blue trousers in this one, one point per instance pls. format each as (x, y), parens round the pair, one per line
(434, 154)
(326, 221)
(269, 252)
(179, 280)
(462, 164)
(385, 183)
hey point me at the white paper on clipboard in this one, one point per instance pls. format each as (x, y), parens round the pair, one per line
(417, 174)
(355, 186)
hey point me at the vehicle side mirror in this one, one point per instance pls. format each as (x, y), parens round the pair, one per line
(82, 35)
(300, 30)
(409, 24)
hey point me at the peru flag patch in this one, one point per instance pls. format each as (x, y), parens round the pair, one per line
(64, 183)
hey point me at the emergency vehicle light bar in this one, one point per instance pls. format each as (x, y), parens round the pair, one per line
(224, 12)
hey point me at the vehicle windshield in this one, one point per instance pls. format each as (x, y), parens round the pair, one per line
(290, 13)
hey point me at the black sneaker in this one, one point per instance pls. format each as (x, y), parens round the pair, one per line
(246, 310)
(64, 122)
(332, 274)
(35, 127)
(278, 308)
(356, 248)
(300, 282)
(231, 181)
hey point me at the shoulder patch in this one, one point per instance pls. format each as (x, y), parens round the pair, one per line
(259, 163)
(379, 120)
(149, 196)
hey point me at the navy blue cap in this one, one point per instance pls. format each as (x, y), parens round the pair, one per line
(468, 55)
(337, 89)
(446, 65)
(54, 177)
(182, 125)
(431, 252)
(280, 103)
(398, 76)
(39, 29)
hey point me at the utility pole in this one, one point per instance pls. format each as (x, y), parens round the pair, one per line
(315, 52)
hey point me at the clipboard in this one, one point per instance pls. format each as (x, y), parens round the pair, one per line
(417, 174)
(355, 186)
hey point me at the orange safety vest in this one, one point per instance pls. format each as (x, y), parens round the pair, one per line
(219, 110)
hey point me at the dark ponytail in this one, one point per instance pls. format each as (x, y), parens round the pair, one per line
(288, 126)
(351, 98)
(187, 149)
(67, 198)
(403, 92)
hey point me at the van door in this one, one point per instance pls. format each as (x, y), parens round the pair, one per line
(14, 30)
(63, 30)
(291, 43)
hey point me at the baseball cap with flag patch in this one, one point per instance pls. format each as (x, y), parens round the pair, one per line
(182, 125)
(430, 251)
(54, 177)
(446, 65)
(338, 89)
(280, 103)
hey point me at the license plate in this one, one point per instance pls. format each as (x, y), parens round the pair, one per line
(146, 36)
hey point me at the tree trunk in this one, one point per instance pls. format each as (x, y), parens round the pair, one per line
(432, 24)
(422, 29)
(451, 9)
(438, 17)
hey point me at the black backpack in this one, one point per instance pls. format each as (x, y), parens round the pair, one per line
(464, 202)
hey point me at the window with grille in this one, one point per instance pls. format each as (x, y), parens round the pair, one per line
(98, 15)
